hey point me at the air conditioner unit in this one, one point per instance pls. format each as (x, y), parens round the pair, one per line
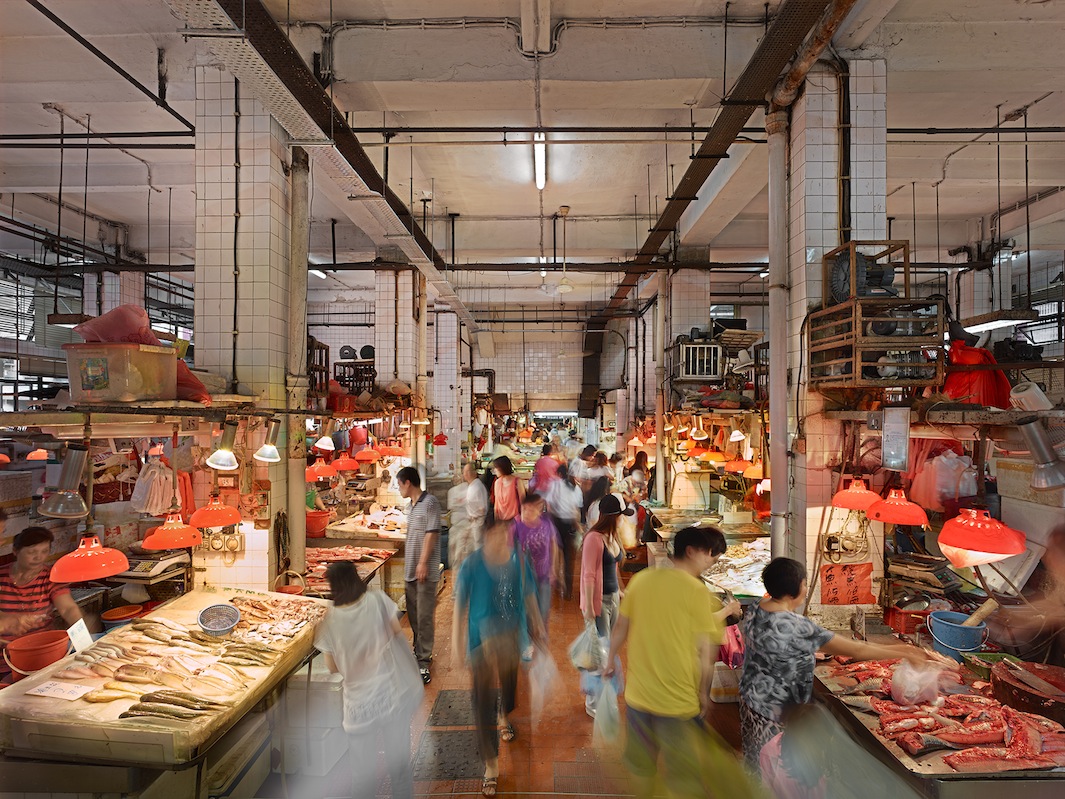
(699, 362)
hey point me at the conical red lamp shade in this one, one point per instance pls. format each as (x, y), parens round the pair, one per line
(38, 455)
(320, 471)
(855, 497)
(368, 455)
(345, 463)
(393, 452)
(896, 509)
(172, 534)
(738, 466)
(90, 561)
(215, 514)
(973, 538)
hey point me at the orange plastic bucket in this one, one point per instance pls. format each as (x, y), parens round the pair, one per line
(317, 521)
(33, 652)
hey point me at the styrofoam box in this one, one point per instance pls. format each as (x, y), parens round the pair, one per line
(321, 706)
(119, 372)
(313, 750)
(1015, 480)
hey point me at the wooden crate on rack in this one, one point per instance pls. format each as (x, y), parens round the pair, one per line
(877, 342)
(355, 376)
(317, 367)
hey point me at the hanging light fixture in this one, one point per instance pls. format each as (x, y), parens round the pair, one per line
(755, 471)
(421, 420)
(764, 485)
(393, 452)
(1049, 471)
(172, 534)
(38, 454)
(855, 496)
(565, 285)
(736, 436)
(668, 424)
(368, 455)
(66, 502)
(90, 561)
(319, 471)
(325, 440)
(738, 466)
(215, 514)
(697, 433)
(540, 159)
(973, 538)
(268, 453)
(404, 421)
(896, 509)
(223, 458)
(345, 463)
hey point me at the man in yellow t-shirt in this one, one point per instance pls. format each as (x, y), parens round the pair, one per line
(673, 627)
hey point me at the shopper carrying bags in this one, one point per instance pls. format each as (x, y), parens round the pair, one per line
(536, 538)
(564, 502)
(422, 568)
(360, 639)
(495, 599)
(507, 490)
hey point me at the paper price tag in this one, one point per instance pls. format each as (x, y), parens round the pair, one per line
(79, 635)
(60, 690)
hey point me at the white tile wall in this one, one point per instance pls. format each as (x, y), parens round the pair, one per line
(868, 101)
(395, 335)
(447, 389)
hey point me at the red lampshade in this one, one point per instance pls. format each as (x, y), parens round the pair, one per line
(896, 509)
(738, 466)
(440, 440)
(215, 514)
(38, 455)
(754, 472)
(973, 538)
(346, 463)
(393, 452)
(320, 471)
(855, 497)
(90, 561)
(368, 455)
(172, 534)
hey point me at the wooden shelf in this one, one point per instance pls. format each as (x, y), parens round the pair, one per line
(977, 416)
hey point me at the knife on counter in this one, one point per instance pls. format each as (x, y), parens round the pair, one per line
(1032, 681)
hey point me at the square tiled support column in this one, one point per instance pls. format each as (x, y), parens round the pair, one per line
(395, 331)
(446, 394)
(868, 150)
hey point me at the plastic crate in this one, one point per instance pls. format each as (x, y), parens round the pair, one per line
(100, 372)
(905, 621)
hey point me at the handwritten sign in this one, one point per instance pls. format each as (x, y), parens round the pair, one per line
(847, 584)
(79, 635)
(60, 690)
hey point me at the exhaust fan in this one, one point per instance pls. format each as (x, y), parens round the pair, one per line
(871, 277)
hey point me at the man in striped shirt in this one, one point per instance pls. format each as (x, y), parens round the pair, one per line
(422, 569)
(27, 595)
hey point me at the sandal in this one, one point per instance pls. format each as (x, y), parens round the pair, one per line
(488, 786)
(507, 732)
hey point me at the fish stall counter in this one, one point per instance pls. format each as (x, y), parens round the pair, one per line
(155, 696)
(371, 564)
(971, 746)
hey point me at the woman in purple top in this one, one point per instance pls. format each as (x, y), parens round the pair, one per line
(536, 538)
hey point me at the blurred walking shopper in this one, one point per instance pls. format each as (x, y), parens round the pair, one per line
(545, 472)
(507, 490)
(495, 599)
(476, 503)
(564, 502)
(670, 623)
(779, 647)
(422, 567)
(536, 538)
(360, 639)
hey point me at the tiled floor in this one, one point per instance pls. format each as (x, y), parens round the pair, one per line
(553, 757)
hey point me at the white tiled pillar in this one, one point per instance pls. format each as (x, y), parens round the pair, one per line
(125, 288)
(242, 269)
(260, 291)
(868, 107)
(447, 391)
(395, 331)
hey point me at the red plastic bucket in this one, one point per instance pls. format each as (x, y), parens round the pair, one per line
(317, 521)
(33, 652)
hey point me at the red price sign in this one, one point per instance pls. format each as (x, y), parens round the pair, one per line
(847, 584)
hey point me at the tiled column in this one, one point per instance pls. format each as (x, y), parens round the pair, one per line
(242, 253)
(395, 331)
(447, 392)
(814, 229)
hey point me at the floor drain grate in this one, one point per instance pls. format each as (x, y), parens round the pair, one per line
(448, 756)
(452, 708)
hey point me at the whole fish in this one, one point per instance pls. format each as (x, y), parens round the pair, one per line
(173, 710)
(103, 695)
(207, 686)
(186, 696)
(124, 687)
(920, 743)
(233, 660)
(165, 698)
(75, 673)
(173, 625)
(135, 672)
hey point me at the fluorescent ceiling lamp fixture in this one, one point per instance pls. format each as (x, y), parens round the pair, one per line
(317, 273)
(67, 319)
(268, 453)
(223, 458)
(998, 319)
(325, 441)
(763, 274)
(540, 160)
(66, 502)
(565, 286)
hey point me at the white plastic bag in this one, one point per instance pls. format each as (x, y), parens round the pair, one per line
(586, 651)
(607, 727)
(915, 685)
(543, 681)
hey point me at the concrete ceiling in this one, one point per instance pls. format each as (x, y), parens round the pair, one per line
(400, 63)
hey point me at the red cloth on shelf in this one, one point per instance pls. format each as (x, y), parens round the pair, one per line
(987, 387)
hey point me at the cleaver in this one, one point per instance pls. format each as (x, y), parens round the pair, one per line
(1033, 681)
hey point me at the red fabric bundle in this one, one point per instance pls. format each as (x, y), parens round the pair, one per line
(988, 387)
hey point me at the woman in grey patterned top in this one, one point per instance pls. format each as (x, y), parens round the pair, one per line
(778, 668)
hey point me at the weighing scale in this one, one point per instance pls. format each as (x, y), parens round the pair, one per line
(149, 565)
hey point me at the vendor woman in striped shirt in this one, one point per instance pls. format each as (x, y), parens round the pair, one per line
(27, 596)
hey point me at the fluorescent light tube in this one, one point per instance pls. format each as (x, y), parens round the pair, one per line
(540, 160)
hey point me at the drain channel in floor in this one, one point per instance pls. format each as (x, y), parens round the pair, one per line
(447, 755)
(452, 708)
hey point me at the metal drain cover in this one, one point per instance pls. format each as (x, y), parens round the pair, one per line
(448, 756)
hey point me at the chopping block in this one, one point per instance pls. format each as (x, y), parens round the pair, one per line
(1011, 691)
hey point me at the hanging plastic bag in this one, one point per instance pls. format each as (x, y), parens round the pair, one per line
(140, 499)
(725, 687)
(543, 681)
(586, 651)
(606, 731)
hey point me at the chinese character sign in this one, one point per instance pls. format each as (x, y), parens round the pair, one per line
(847, 584)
